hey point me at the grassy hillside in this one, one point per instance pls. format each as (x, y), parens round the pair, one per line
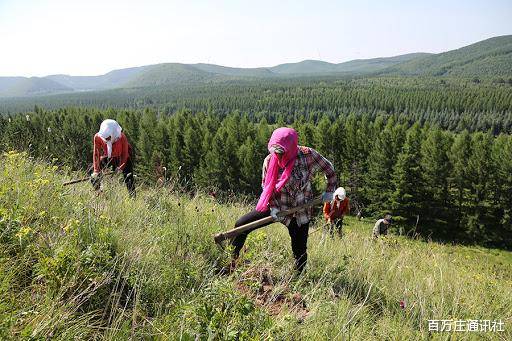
(74, 265)
(487, 58)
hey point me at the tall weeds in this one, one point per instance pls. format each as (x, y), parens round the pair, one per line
(77, 265)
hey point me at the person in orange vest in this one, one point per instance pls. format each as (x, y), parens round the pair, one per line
(111, 149)
(335, 210)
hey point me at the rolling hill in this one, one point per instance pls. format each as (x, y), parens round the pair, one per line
(113, 79)
(7, 82)
(488, 58)
(377, 64)
(170, 74)
(304, 67)
(21, 86)
(491, 57)
(354, 66)
(236, 72)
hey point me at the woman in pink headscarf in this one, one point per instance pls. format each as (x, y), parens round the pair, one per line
(286, 182)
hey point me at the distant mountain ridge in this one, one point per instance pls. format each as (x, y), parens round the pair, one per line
(357, 65)
(487, 58)
(33, 86)
(109, 80)
(490, 57)
(175, 74)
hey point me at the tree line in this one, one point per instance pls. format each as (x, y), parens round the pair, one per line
(452, 104)
(437, 183)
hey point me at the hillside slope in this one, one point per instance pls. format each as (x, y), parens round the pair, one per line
(8, 82)
(231, 71)
(112, 79)
(77, 265)
(19, 86)
(358, 66)
(377, 64)
(170, 74)
(488, 58)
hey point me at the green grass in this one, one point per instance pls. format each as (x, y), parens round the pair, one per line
(73, 265)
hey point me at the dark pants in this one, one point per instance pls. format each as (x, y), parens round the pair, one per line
(128, 177)
(298, 235)
(337, 226)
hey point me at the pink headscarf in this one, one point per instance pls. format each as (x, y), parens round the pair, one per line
(287, 139)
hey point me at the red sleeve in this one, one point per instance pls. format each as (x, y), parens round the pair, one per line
(96, 153)
(347, 206)
(327, 210)
(124, 154)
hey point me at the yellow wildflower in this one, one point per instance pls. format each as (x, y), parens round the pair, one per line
(23, 232)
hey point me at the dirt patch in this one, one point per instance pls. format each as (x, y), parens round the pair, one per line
(258, 284)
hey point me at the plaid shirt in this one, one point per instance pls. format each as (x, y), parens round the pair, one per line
(297, 190)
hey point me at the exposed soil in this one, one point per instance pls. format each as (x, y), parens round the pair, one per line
(257, 284)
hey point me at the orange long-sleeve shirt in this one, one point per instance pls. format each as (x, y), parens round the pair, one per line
(338, 211)
(120, 151)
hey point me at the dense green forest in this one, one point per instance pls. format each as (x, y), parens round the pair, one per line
(452, 104)
(439, 184)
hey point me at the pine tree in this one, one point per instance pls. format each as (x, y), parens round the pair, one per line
(459, 155)
(306, 133)
(146, 143)
(323, 140)
(192, 150)
(407, 199)
(337, 151)
(177, 129)
(379, 186)
(249, 162)
(436, 172)
(480, 171)
(502, 157)
(212, 173)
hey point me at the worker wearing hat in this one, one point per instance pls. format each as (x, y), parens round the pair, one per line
(381, 226)
(111, 149)
(335, 210)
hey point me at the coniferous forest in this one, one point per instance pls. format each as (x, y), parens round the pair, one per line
(159, 226)
(434, 152)
(455, 104)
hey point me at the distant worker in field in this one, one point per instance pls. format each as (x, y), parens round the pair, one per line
(286, 182)
(335, 210)
(381, 226)
(111, 149)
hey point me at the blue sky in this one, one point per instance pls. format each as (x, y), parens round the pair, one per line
(91, 37)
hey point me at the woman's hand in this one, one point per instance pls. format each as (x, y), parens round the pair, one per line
(273, 213)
